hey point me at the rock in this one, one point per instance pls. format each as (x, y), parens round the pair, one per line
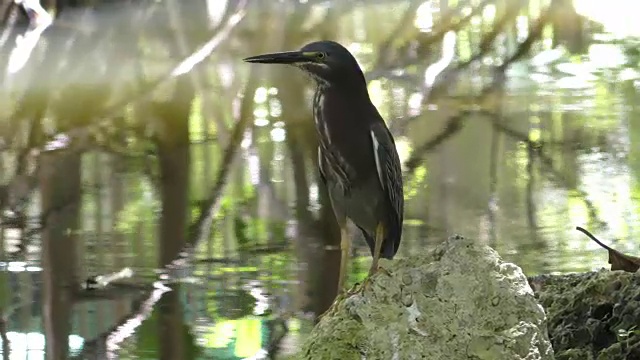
(593, 315)
(460, 301)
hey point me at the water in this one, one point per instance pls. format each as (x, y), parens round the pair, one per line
(554, 149)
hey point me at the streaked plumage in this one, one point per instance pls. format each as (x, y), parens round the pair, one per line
(347, 164)
(357, 157)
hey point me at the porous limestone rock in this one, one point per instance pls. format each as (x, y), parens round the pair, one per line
(459, 301)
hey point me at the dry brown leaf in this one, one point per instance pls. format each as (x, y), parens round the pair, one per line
(618, 260)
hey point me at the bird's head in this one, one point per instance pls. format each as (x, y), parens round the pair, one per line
(326, 61)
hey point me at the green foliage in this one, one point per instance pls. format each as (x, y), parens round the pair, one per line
(197, 128)
(236, 339)
(417, 183)
(141, 206)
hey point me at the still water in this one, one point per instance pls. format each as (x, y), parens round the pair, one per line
(516, 166)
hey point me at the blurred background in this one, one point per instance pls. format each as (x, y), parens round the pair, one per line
(159, 198)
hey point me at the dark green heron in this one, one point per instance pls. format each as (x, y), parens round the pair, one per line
(357, 156)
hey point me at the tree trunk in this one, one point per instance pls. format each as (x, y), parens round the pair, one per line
(60, 188)
(174, 161)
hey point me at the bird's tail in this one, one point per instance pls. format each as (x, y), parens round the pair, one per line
(388, 250)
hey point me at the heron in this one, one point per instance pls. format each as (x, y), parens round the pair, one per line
(357, 157)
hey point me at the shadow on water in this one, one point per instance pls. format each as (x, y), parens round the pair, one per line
(160, 198)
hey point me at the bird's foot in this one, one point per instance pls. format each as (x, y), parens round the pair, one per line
(380, 269)
(366, 284)
(353, 290)
(342, 293)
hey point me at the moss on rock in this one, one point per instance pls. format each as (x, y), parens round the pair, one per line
(593, 315)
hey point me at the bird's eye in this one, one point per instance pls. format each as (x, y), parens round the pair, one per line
(321, 56)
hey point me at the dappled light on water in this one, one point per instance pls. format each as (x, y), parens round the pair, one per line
(169, 192)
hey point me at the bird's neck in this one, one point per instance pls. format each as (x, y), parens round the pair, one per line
(355, 91)
(337, 108)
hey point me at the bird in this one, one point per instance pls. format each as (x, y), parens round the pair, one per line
(358, 160)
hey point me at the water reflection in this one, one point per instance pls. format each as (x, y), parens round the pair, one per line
(134, 139)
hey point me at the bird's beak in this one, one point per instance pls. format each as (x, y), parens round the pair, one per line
(288, 57)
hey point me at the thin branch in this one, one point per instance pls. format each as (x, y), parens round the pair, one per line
(436, 35)
(490, 37)
(454, 124)
(448, 77)
(534, 34)
(385, 48)
(201, 229)
(124, 328)
(536, 147)
(182, 68)
(592, 237)
(10, 13)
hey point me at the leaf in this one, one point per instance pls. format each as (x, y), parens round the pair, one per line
(618, 260)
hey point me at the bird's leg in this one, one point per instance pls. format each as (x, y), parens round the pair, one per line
(377, 248)
(379, 238)
(345, 246)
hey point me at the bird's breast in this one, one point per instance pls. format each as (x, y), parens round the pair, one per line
(344, 135)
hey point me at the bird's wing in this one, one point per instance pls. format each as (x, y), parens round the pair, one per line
(323, 177)
(333, 168)
(388, 167)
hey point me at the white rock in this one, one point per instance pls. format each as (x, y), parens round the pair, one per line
(460, 301)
